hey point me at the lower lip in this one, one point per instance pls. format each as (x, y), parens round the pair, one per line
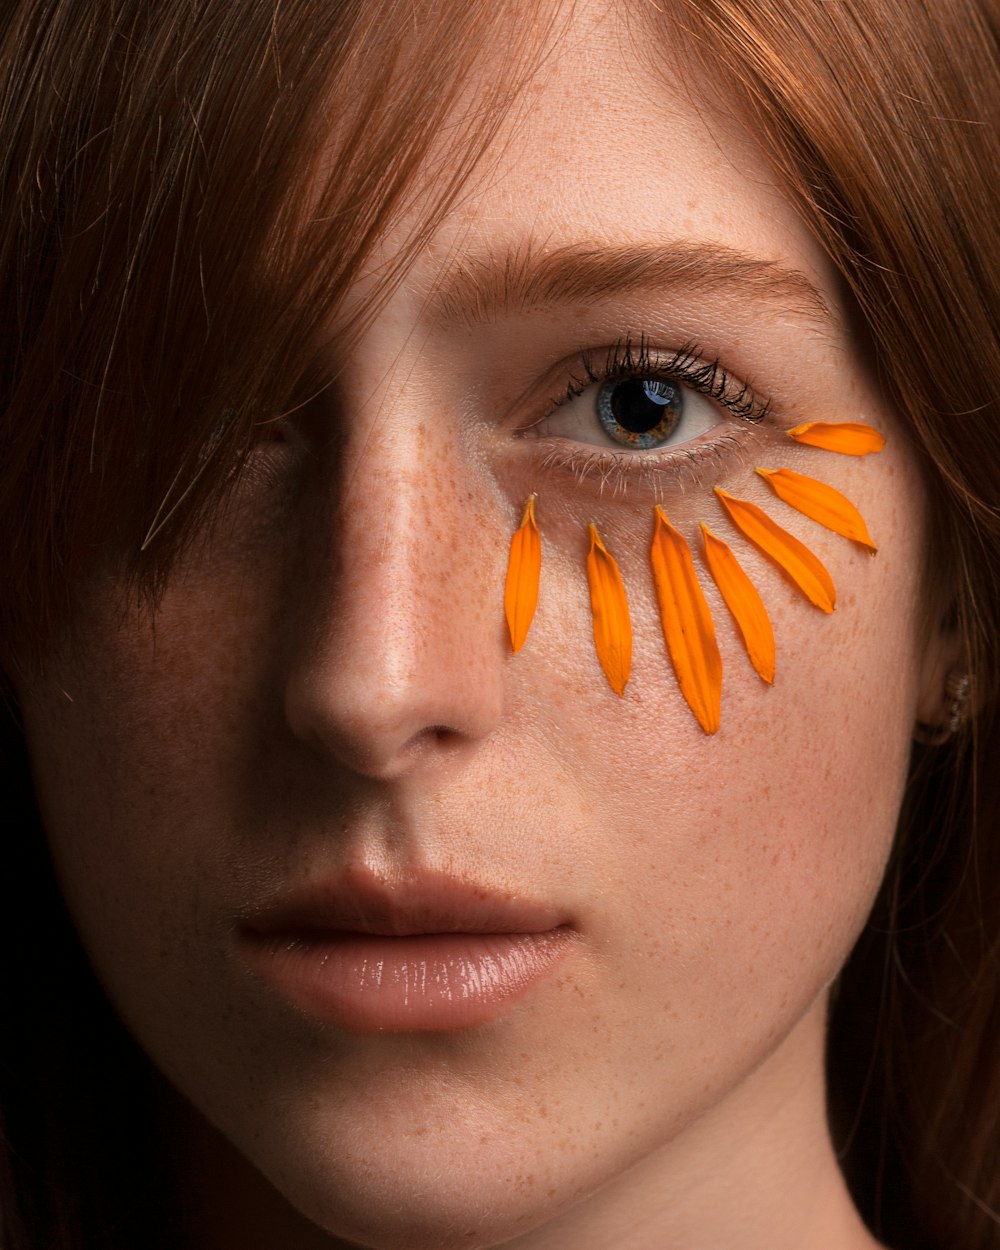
(421, 982)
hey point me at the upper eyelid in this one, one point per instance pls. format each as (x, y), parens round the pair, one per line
(683, 365)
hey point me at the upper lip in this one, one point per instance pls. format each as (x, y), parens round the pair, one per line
(360, 902)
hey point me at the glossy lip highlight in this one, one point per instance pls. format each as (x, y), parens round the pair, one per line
(430, 952)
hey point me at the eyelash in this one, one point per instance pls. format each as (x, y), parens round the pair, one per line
(686, 365)
(620, 470)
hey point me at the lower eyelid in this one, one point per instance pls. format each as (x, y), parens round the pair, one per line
(702, 462)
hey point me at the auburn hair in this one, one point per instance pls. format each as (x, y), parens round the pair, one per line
(883, 122)
(189, 188)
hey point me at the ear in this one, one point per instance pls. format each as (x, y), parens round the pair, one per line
(945, 663)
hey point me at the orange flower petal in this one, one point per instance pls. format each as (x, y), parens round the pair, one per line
(850, 438)
(609, 608)
(743, 602)
(794, 559)
(687, 624)
(524, 566)
(820, 502)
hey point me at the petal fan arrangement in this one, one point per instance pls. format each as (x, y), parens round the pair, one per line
(609, 609)
(744, 603)
(819, 502)
(688, 628)
(795, 560)
(524, 568)
(847, 437)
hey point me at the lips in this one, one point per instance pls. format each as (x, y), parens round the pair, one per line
(429, 952)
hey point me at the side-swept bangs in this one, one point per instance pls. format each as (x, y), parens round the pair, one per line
(188, 189)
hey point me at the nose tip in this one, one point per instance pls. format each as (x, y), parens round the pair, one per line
(382, 719)
(398, 646)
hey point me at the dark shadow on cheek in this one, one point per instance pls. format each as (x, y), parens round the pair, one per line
(78, 1093)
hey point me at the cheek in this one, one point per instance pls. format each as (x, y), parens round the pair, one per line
(740, 867)
(138, 749)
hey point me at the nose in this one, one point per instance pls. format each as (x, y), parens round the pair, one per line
(396, 657)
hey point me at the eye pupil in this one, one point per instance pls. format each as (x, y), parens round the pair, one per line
(638, 404)
(639, 412)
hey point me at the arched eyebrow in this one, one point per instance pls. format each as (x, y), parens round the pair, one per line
(485, 287)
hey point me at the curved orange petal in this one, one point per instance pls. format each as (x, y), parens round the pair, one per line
(524, 566)
(794, 559)
(820, 502)
(850, 438)
(743, 602)
(609, 608)
(688, 629)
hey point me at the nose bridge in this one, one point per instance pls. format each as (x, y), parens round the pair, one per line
(403, 650)
(402, 549)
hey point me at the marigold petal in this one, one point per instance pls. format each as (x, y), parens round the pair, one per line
(819, 502)
(524, 566)
(743, 602)
(794, 559)
(609, 608)
(850, 438)
(688, 629)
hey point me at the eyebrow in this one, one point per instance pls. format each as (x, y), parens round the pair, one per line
(484, 288)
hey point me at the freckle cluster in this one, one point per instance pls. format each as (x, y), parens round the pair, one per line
(688, 627)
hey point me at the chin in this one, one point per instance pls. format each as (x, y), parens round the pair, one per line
(448, 1212)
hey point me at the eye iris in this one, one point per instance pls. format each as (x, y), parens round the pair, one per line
(639, 412)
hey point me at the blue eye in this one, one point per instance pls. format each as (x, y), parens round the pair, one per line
(635, 400)
(639, 412)
(632, 412)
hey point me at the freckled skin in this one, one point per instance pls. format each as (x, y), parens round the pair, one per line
(330, 683)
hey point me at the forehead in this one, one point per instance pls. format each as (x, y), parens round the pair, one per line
(618, 164)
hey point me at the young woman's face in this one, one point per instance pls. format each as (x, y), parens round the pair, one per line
(324, 731)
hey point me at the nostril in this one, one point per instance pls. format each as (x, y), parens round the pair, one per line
(433, 741)
(437, 737)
